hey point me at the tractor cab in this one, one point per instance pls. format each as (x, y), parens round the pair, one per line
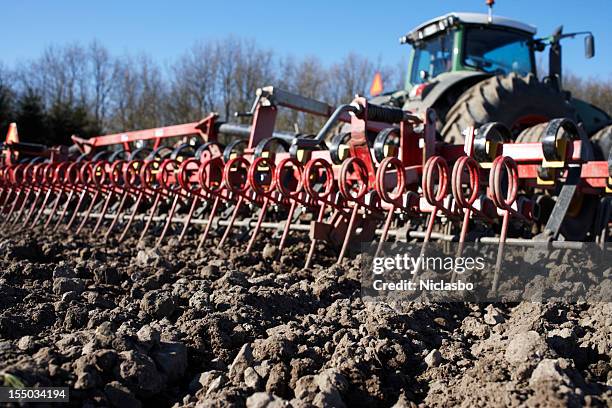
(469, 42)
(462, 63)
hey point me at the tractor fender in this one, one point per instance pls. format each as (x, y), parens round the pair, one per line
(592, 118)
(442, 84)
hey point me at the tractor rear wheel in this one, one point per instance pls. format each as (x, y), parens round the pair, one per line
(602, 143)
(516, 101)
(579, 221)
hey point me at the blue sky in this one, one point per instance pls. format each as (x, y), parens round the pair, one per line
(327, 29)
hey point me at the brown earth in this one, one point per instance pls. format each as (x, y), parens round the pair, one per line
(127, 326)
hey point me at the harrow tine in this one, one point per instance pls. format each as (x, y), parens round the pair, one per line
(90, 207)
(311, 169)
(260, 218)
(65, 209)
(357, 200)
(168, 220)
(435, 164)
(78, 207)
(349, 233)
(281, 244)
(503, 203)
(109, 198)
(32, 209)
(42, 207)
(385, 231)
(9, 193)
(151, 215)
(213, 213)
(132, 215)
(117, 215)
(12, 209)
(393, 197)
(54, 207)
(192, 208)
(257, 181)
(240, 190)
(313, 242)
(232, 220)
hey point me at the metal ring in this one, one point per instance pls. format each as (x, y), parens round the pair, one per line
(307, 176)
(254, 169)
(116, 173)
(495, 132)
(227, 169)
(205, 181)
(163, 176)
(97, 173)
(550, 141)
(148, 175)
(71, 176)
(179, 152)
(381, 142)
(207, 146)
(343, 180)
(184, 179)
(394, 195)
(435, 164)
(59, 173)
(495, 182)
(263, 144)
(473, 169)
(334, 147)
(282, 187)
(131, 173)
(229, 149)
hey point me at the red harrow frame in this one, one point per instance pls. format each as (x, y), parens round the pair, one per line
(386, 175)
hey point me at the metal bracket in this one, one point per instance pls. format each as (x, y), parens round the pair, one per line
(563, 203)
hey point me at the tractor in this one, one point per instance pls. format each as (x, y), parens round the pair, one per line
(474, 68)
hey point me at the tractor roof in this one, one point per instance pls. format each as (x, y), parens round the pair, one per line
(467, 18)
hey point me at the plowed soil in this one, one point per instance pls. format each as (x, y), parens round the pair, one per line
(125, 325)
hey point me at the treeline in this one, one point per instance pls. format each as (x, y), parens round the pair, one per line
(85, 90)
(596, 91)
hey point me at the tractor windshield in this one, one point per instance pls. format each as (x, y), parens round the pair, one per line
(497, 51)
(432, 57)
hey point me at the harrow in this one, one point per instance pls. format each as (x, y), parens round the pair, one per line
(385, 175)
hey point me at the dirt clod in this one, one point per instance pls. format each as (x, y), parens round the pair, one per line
(130, 326)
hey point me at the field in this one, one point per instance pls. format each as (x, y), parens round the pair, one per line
(126, 325)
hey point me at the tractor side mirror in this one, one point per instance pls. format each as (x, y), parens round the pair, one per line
(589, 46)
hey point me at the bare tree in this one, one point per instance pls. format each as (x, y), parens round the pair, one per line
(103, 76)
(59, 75)
(229, 52)
(6, 100)
(308, 78)
(349, 77)
(254, 68)
(193, 83)
(597, 91)
(139, 94)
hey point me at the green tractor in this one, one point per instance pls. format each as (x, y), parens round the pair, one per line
(476, 68)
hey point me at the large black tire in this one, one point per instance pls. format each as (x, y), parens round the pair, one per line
(533, 134)
(602, 143)
(575, 227)
(511, 99)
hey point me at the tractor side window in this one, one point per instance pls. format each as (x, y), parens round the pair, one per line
(432, 57)
(497, 51)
